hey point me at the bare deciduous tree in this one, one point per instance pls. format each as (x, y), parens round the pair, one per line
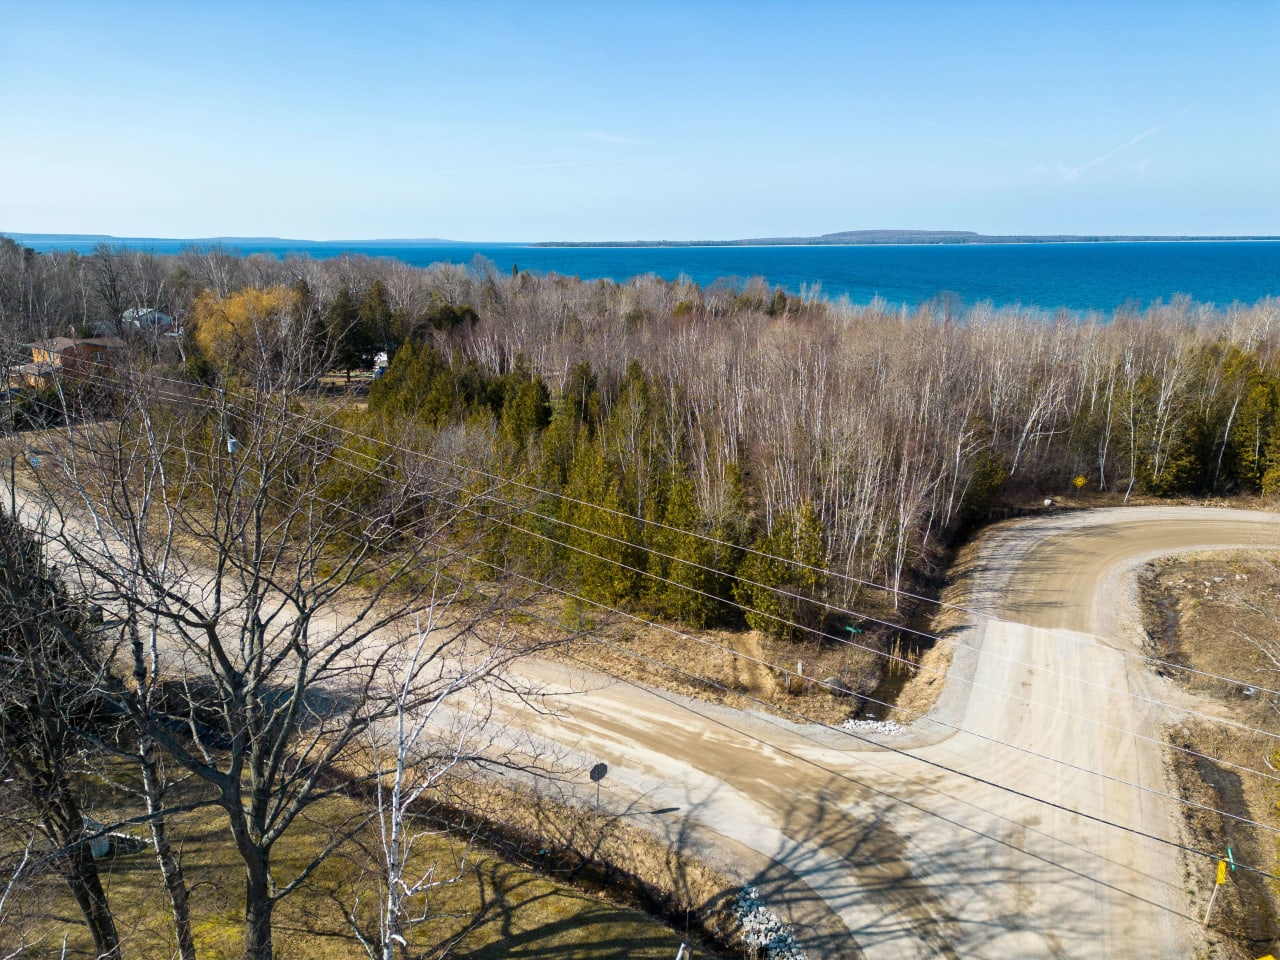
(49, 677)
(210, 522)
(441, 724)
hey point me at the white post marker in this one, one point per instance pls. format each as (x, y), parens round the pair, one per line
(1221, 879)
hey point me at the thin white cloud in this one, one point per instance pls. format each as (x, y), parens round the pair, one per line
(560, 164)
(1073, 173)
(601, 137)
(555, 164)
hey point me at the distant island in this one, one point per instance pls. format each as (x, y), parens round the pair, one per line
(869, 237)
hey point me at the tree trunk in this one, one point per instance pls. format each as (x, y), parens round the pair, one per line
(82, 877)
(170, 864)
(64, 823)
(258, 905)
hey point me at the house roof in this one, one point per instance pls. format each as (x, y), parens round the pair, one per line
(144, 313)
(59, 345)
(56, 345)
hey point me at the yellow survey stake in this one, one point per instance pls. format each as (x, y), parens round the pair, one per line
(1222, 872)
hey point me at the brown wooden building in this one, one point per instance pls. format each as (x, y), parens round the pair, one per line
(65, 357)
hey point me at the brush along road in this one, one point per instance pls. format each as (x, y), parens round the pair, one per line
(976, 842)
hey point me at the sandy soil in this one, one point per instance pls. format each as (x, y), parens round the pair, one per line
(1218, 614)
(1031, 815)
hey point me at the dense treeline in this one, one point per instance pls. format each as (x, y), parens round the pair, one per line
(676, 430)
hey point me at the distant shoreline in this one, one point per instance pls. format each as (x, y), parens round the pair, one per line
(905, 238)
(19, 237)
(1077, 276)
(850, 238)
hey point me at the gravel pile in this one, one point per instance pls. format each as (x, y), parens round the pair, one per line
(761, 928)
(873, 726)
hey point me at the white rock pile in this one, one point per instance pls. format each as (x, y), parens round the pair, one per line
(762, 929)
(873, 726)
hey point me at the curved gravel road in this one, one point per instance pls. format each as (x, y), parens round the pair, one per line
(976, 840)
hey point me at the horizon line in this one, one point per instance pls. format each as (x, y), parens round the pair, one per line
(839, 238)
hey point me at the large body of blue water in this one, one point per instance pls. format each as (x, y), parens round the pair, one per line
(1074, 276)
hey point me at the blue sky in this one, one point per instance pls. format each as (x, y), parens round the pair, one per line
(578, 121)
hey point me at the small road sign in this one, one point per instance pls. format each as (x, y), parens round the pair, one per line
(597, 774)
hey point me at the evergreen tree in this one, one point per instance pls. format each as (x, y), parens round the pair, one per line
(603, 559)
(782, 584)
(1247, 439)
(375, 318)
(629, 437)
(582, 396)
(1271, 462)
(1164, 437)
(402, 390)
(688, 567)
(352, 345)
(443, 315)
(526, 412)
(573, 415)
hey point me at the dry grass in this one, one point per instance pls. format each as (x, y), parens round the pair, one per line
(921, 691)
(1205, 611)
(743, 669)
(494, 909)
(613, 852)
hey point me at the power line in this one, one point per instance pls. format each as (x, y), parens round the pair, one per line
(780, 591)
(564, 498)
(980, 780)
(721, 648)
(809, 761)
(1056, 708)
(765, 663)
(854, 735)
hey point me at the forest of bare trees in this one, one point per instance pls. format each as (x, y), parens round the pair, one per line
(895, 428)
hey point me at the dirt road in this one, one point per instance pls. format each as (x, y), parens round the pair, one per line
(976, 839)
